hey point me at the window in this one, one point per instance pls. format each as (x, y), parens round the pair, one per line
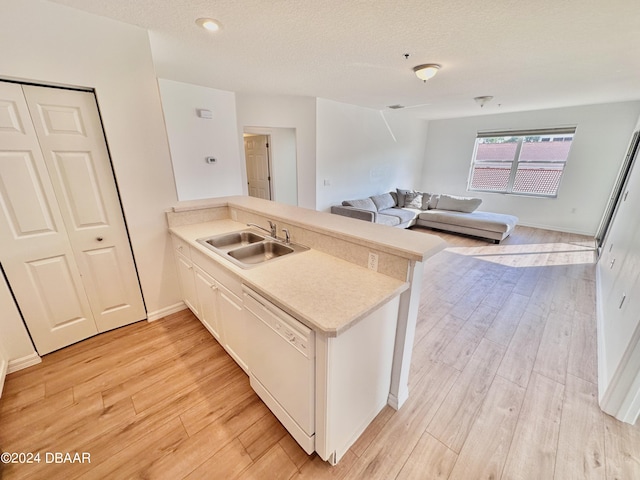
(528, 162)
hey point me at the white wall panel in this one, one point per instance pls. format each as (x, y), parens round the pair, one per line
(360, 152)
(192, 138)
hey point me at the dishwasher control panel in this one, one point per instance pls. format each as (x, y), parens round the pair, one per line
(295, 333)
(296, 340)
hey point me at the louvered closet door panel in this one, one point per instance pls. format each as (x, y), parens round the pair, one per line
(70, 134)
(34, 248)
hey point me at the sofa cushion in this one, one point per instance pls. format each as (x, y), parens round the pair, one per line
(458, 204)
(494, 222)
(429, 200)
(383, 201)
(413, 200)
(362, 204)
(390, 220)
(401, 196)
(402, 214)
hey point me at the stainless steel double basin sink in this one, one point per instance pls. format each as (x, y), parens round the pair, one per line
(249, 249)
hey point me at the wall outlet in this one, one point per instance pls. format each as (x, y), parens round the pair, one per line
(373, 261)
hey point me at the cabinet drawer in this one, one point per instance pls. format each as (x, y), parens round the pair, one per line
(220, 273)
(181, 246)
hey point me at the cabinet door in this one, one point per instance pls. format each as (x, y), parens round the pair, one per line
(187, 283)
(67, 124)
(234, 332)
(207, 292)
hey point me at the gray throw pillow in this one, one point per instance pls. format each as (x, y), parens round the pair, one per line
(401, 196)
(413, 200)
(426, 198)
(432, 203)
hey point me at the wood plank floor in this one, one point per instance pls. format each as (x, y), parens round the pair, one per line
(503, 386)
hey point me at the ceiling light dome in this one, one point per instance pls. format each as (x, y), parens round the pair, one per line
(426, 71)
(209, 24)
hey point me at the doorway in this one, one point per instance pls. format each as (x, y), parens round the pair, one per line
(256, 154)
(64, 246)
(282, 161)
(618, 194)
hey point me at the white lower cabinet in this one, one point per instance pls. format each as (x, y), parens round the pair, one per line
(213, 295)
(234, 338)
(207, 293)
(187, 283)
(185, 274)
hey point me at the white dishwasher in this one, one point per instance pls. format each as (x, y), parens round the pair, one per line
(282, 366)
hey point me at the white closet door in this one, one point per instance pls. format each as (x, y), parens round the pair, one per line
(70, 134)
(34, 247)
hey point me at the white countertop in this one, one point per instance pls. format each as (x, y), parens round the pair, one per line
(325, 293)
(400, 242)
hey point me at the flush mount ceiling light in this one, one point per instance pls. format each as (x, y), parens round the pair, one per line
(209, 24)
(482, 100)
(426, 71)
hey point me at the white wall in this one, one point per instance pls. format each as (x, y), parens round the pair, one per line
(192, 138)
(287, 112)
(284, 162)
(48, 43)
(358, 156)
(598, 148)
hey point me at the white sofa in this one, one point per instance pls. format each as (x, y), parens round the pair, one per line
(449, 213)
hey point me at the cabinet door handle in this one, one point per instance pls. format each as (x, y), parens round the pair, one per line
(624, 296)
(626, 194)
(612, 262)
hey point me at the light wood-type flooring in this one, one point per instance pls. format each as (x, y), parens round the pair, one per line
(503, 386)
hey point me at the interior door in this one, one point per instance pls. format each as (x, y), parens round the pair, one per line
(34, 247)
(256, 149)
(70, 134)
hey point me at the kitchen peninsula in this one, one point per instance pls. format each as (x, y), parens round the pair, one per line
(326, 334)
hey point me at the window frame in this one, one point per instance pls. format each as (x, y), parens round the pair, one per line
(515, 162)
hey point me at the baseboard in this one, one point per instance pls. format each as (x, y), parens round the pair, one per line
(396, 401)
(163, 312)
(24, 362)
(555, 229)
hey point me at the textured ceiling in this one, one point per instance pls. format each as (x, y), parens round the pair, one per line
(528, 55)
